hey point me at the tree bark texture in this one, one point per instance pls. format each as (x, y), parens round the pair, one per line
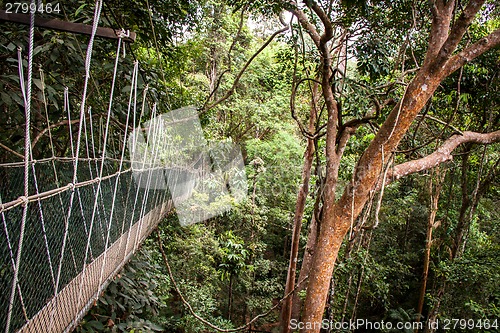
(305, 267)
(435, 187)
(286, 311)
(440, 61)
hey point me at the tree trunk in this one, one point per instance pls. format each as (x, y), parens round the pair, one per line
(440, 61)
(230, 297)
(434, 192)
(306, 266)
(286, 311)
(337, 217)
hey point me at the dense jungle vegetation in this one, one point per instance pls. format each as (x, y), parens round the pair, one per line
(369, 131)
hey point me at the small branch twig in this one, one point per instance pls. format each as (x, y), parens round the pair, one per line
(11, 151)
(231, 90)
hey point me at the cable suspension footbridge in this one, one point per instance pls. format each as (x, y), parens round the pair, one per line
(70, 223)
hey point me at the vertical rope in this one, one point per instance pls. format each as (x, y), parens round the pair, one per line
(11, 256)
(136, 138)
(88, 58)
(42, 81)
(68, 112)
(94, 157)
(90, 173)
(132, 100)
(42, 222)
(56, 178)
(103, 156)
(67, 109)
(151, 140)
(27, 149)
(121, 158)
(381, 195)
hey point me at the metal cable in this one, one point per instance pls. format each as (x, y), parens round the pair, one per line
(122, 155)
(27, 148)
(88, 58)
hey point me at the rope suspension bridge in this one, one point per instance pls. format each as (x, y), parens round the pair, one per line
(70, 223)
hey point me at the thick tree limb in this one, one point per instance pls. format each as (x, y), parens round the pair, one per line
(442, 154)
(328, 34)
(472, 52)
(308, 26)
(441, 18)
(460, 27)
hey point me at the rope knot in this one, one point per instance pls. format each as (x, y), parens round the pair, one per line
(25, 200)
(124, 33)
(71, 186)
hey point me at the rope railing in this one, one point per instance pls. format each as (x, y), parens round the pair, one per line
(27, 154)
(23, 200)
(55, 158)
(69, 223)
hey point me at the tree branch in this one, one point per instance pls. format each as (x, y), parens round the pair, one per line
(442, 154)
(45, 130)
(11, 151)
(460, 27)
(306, 24)
(207, 107)
(441, 18)
(437, 120)
(472, 52)
(229, 59)
(302, 128)
(374, 114)
(328, 34)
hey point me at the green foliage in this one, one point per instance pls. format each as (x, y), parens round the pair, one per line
(193, 56)
(131, 301)
(233, 255)
(373, 57)
(400, 315)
